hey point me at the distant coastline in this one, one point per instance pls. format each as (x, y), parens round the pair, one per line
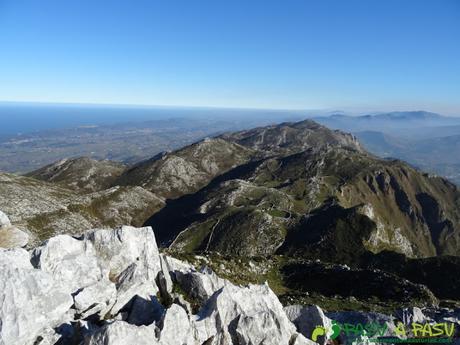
(19, 118)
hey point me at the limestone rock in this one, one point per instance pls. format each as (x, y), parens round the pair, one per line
(307, 318)
(176, 327)
(131, 283)
(123, 333)
(355, 317)
(11, 237)
(301, 340)
(101, 289)
(15, 257)
(4, 220)
(49, 337)
(97, 298)
(31, 302)
(70, 261)
(411, 315)
(145, 311)
(122, 247)
(200, 285)
(250, 314)
(127, 256)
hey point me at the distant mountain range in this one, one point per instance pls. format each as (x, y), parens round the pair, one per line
(400, 122)
(426, 140)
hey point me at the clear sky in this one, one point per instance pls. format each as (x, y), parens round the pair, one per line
(387, 54)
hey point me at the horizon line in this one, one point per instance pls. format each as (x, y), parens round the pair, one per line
(134, 105)
(330, 111)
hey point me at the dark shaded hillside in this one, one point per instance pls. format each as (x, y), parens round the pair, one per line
(440, 274)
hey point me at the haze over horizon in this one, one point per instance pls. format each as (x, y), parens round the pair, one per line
(350, 111)
(352, 56)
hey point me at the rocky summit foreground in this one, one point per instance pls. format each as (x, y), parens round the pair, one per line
(113, 287)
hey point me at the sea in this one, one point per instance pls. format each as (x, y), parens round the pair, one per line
(19, 118)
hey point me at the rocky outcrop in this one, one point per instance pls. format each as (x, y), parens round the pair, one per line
(10, 236)
(31, 300)
(82, 174)
(307, 318)
(4, 220)
(293, 137)
(46, 209)
(185, 171)
(109, 287)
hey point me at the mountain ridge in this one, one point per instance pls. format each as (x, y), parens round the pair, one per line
(100, 174)
(288, 194)
(277, 175)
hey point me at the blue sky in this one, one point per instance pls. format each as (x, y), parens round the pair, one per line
(344, 54)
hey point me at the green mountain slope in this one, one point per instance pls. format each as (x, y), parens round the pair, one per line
(298, 202)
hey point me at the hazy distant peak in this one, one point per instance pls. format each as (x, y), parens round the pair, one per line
(394, 115)
(338, 116)
(409, 115)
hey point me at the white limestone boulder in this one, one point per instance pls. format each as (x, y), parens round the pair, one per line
(255, 312)
(198, 284)
(301, 340)
(176, 327)
(120, 248)
(124, 259)
(15, 257)
(49, 337)
(112, 276)
(12, 237)
(31, 301)
(145, 311)
(70, 261)
(307, 318)
(411, 315)
(4, 220)
(123, 333)
(131, 283)
(96, 299)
